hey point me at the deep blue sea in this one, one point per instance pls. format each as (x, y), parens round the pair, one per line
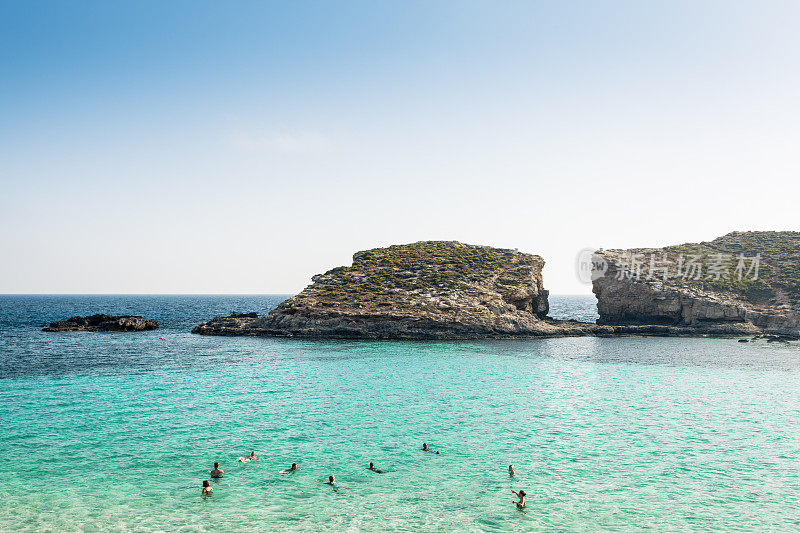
(117, 431)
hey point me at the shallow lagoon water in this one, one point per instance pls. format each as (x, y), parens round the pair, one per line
(117, 431)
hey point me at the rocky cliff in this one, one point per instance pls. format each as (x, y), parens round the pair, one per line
(424, 290)
(103, 323)
(741, 283)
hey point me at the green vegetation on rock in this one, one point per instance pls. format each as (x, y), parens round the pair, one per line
(396, 275)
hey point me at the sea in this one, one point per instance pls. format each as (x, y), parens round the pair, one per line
(117, 431)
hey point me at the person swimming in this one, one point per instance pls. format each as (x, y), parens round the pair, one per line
(217, 472)
(290, 470)
(332, 482)
(251, 457)
(374, 468)
(426, 449)
(207, 490)
(521, 495)
(511, 470)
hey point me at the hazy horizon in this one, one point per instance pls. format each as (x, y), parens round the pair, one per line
(202, 148)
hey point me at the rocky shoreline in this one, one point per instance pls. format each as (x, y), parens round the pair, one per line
(377, 328)
(103, 324)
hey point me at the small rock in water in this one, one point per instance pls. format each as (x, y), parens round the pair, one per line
(103, 323)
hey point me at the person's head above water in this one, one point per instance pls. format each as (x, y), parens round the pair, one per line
(371, 464)
(522, 493)
(216, 466)
(253, 453)
(294, 466)
(331, 479)
(205, 483)
(424, 445)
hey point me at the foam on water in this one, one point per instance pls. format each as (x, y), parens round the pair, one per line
(623, 434)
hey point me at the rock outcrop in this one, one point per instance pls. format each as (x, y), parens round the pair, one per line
(425, 290)
(742, 283)
(103, 323)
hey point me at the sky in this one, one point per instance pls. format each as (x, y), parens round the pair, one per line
(241, 147)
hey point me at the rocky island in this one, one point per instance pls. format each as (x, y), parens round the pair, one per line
(103, 323)
(745, 283)
(424, 290)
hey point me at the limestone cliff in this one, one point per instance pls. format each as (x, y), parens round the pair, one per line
(743, 282)
(424, 290)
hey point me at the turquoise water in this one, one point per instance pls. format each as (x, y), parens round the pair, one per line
(112, 433)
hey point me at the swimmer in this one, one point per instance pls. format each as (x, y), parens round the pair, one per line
(207, 490)
(332, 482)
(375, 469)
(511, 470)
(521, 495)
(426, 449)
(251, 457)
(290, 470)
(217, 472)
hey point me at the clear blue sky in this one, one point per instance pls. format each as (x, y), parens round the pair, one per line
(196, 147)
